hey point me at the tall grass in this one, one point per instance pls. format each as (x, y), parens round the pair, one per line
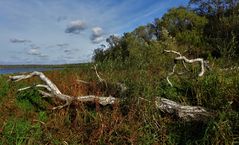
(132, 121)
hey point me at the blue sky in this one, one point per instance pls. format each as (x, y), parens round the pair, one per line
(67, 31)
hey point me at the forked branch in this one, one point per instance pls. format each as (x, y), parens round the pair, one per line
(55, 92)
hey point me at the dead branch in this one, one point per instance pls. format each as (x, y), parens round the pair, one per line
(106, 85)
(165, 105)
(203, 63)
(55, 92)
(170, 74)
(97, 74)
(82, 81)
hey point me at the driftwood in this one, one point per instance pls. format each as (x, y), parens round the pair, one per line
(184, 112)
(53, 91)
(163, 104)
(180, 57)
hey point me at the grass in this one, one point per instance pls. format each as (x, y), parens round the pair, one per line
(26, 118)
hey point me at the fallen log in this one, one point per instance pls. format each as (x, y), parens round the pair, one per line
(53, 91)
(186, 113)
(165, 105)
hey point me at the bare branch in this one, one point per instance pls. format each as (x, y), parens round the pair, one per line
(101, 100)
(45, 94)
(186, 60)
(170, 74)
(192, 61)
(38, 86)
(48, 82)
(62, 106)
(172, 51)
(51, 87)
(97, 74)
(82, 81)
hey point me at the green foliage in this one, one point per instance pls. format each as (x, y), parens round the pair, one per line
(184, 19)
(4, 88)
(42, 116)
(219, 131)
(19, 131)
(31, 99)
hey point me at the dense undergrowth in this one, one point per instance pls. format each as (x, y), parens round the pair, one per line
(27, 118)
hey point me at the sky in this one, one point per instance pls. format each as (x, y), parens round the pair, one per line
(67, 31)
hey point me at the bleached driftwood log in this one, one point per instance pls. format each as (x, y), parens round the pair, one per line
(184, 112)
(203, 63)
(53, 91)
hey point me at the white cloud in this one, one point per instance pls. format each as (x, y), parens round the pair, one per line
(97, 31)
(76, 27)
(36, 52)
(97, 35)
(97, 40)
(44, 23)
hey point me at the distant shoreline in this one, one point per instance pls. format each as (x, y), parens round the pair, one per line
(43, 66)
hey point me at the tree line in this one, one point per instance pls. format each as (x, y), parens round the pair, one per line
(205, 28)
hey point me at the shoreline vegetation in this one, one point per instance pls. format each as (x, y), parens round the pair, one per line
(188, 58)
(43, 65)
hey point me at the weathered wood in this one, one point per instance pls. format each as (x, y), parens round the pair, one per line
(163, 104)
(184, 60)
(184, 112)
(55, 92)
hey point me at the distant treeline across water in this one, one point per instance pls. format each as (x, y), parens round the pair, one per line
(19, 70)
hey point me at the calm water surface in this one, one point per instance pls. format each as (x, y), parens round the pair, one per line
(21, 70)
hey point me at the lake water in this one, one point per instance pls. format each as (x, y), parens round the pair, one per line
(21, 70)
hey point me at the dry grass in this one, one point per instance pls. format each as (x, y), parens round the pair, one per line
(132, 121)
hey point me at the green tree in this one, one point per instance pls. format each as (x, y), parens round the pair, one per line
(187, 27)
(221, 32)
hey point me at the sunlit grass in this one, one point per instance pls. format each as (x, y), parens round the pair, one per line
(131, 121)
